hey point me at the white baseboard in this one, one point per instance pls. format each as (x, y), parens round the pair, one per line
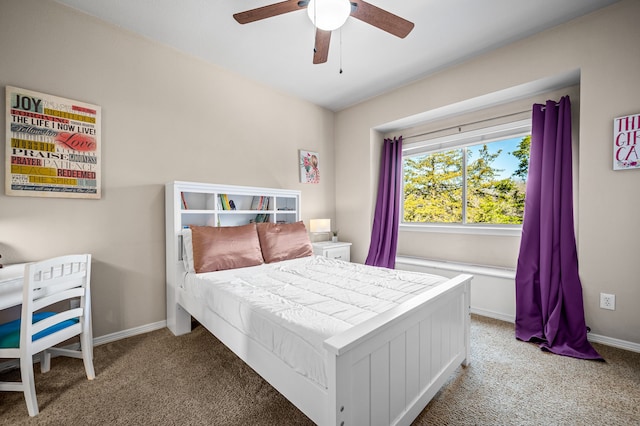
(118, 335)
(596, 338)
(616, 343)
(494, 315)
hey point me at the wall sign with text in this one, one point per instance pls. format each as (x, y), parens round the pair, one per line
(626, 141)
(53, 146)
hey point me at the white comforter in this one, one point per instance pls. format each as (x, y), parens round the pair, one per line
(291, 307)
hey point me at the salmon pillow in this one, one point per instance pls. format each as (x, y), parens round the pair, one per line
(225, 247)
(284, 241)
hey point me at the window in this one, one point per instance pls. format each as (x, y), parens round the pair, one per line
(475, 178)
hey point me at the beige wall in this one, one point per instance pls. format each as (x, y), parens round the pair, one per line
(166, 116)
(604, 47)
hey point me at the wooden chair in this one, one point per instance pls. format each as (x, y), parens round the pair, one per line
(45, 283)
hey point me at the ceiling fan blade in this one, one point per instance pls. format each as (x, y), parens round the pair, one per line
(321, 48)
(269, 11)
(382, 19)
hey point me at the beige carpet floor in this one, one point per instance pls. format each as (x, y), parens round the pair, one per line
(160, 379)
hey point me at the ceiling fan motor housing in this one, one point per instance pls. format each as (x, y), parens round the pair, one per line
(328, 15)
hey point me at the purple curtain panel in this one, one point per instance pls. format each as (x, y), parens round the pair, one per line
(549, 304)
(384, 235)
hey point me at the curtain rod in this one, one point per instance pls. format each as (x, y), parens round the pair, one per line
(458, 126)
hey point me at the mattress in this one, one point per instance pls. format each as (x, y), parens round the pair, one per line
(292, 307)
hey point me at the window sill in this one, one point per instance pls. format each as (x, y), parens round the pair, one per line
(497, 230)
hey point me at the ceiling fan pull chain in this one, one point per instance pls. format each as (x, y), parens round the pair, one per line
(340, 50)
(315, 16)
(315, 29)
(315, 47)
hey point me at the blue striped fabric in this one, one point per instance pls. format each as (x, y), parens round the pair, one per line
(10, 332)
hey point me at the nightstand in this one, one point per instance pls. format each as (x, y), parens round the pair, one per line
(339, 250)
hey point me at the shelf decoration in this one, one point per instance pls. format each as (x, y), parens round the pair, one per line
(225, 203)
(309, 166)
(626, 142)
(52, 146)
(260, 202)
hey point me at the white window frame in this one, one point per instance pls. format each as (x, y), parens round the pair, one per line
(520, 128)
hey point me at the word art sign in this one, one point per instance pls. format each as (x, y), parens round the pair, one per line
(626, 142)
(53, 146)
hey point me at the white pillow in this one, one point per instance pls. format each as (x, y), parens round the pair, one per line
(187, 250)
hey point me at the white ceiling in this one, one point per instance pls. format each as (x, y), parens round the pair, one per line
(278, 51)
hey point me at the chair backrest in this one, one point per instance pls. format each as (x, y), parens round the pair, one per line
(51, 281)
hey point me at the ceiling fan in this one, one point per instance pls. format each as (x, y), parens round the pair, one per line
(359, 9)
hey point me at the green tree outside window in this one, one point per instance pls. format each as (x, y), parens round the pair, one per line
(434, 184)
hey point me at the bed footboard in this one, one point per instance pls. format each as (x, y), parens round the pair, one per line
(386, 370)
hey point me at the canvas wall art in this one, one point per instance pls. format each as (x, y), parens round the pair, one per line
(52, 146)
(626, 142)
(309, 166)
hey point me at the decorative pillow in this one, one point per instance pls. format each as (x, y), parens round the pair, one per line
(283, 241)
(225, 247)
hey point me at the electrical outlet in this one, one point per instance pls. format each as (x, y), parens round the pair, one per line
(608, 301)
(74, 303)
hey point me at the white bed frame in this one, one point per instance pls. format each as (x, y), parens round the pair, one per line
(383, 371)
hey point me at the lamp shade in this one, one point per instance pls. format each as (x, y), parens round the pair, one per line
(329, 15)
(320, 225)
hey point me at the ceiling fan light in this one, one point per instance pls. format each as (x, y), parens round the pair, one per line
(329, 14)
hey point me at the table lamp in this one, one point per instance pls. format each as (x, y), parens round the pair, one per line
(320, 226)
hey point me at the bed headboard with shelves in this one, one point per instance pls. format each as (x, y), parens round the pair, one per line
(205, 204)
